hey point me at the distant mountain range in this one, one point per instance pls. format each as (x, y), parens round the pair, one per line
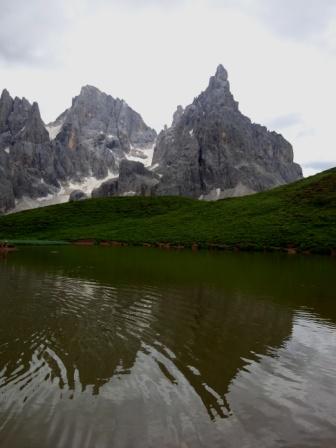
(101, 147)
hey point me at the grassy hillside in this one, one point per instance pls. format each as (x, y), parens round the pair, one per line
(300, 216)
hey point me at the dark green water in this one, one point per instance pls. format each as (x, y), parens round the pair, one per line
(104, 347)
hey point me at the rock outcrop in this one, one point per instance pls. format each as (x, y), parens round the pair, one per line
(134, 179)
(77, 195)
(212, 150)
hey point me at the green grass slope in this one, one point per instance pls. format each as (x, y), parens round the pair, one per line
(301, 216)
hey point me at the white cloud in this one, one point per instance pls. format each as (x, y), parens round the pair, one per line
(285, 121)
(157, 54)
(28, 30)
(298, 19)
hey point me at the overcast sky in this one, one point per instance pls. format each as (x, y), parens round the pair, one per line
(156, 54)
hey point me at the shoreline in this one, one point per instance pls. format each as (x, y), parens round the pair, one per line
(194, 247)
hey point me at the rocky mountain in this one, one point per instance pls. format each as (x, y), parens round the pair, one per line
(43, 164)
(212, 151)
(95, 134)
(102, 147)
(25, 152)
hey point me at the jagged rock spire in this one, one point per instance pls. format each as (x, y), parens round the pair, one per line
(220, 79)
(35, 131)
(177, 115)
(5, 94)
(221, 73)
(6, 104)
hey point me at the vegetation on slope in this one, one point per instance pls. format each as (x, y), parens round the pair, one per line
(301, 216)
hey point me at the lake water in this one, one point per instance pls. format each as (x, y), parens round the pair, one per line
(133, 347)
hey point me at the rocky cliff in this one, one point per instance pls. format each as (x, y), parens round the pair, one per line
(97, 131)
(212, 150)
(26, 155)
(87, 141)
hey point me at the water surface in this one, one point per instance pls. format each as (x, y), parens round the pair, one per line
(131, 347)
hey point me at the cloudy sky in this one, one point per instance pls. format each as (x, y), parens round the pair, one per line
(156, 54)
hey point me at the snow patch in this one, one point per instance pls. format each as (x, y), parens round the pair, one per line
(54, 130)
(143, 155)
(191, 133)
(239, 190)
(62, 195)
(46, 198)
(7, 150)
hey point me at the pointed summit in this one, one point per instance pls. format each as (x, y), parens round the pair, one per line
(35, 110)
(221, 73)
(89, 91)
(5, 94)
(177, 115)
(220, 79)
(34, 130)
(89, 97)
(6, 104)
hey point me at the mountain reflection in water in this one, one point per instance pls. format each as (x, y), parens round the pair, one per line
(135, 347)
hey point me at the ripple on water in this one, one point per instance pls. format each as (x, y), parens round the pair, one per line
(88, 363)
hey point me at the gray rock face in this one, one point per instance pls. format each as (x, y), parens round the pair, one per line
(87, 140)
(134, 179)
(7, 198)
(106, 189)
(96, 133)
(77, 195)
(26, 155)
(212, 150)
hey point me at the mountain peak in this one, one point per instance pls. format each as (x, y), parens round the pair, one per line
(227, 154)
(89, 90)
(34, 130)
(35, 110)
(221, 73)
(5, 94)
(6, 104)
(220, 79)
(177, 115)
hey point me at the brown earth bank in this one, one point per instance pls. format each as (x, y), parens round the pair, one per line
(195, 247)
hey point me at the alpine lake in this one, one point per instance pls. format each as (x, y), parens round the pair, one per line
(135, 347)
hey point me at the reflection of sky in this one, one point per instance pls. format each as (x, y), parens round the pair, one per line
(292, 391)
(284, 398)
